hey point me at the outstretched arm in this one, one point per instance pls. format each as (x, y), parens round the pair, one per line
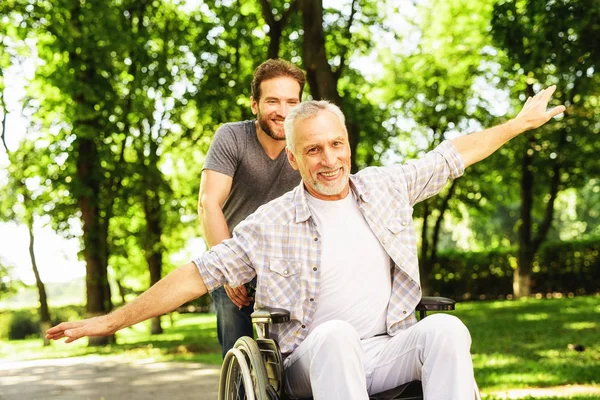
(477, 146)
(180, 286)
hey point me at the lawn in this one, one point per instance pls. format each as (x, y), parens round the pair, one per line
(525, 343)
(529, 343)
(186, 337)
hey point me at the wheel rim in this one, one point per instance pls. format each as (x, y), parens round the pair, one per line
(235, 373)
(249, 348)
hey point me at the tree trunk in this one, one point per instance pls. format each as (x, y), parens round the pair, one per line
(275, 40)
(152, 210)
(155, 266)
(276, 25)
(122, 291)
(94, 241)
(522, 276)
(321, 79)
(429, 244)
(87, 126)
(425, 264)
(45, 320)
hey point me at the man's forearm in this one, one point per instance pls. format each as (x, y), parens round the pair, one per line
(214, 224)
(178, 287)
(479, 145)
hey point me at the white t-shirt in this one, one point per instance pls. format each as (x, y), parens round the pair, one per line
(355, 269)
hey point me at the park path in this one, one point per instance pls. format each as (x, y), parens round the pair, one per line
(112, 378)
(106, 378)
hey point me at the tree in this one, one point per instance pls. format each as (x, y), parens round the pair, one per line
(550, 43)
(19, 203)
(432, 94)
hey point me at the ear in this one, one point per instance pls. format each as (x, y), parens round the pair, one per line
(253, 105)
(291, 158)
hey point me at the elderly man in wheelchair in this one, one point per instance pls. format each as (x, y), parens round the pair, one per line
(337, 256)
(254, 369)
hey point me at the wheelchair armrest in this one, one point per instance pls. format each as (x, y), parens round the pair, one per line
(270, 315)
(279, 315)
(434, 304)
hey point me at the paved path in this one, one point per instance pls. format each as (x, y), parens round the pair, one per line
(106, 378)
(112, 378)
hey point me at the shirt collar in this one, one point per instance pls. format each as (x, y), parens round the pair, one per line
(301, 204)
(359, 189)
(301, 201)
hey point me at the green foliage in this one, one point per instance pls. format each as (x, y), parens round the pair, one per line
(525, 343)
(186, 337)
(565, 267)
(25, 323)
(544, 43)
(8, 285)
(146, 84)
(19, 325)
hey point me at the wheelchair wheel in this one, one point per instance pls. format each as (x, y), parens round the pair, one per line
(243, 374)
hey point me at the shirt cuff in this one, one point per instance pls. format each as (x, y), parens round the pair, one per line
(452, 157)
(210, 281)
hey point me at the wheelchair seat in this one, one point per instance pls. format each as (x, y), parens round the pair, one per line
(253, 369)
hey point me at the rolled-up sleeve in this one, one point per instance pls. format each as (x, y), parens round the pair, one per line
(230, 262)
(424, 177)
(456, 164)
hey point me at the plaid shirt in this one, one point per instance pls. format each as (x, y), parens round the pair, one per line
(281, 245)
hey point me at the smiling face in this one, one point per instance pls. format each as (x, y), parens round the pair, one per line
(321, 153)
(277, 97)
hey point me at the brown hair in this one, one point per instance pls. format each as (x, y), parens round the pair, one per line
(274, 68)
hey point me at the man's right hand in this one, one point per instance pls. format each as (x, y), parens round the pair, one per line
(97, 326)
(239, 295)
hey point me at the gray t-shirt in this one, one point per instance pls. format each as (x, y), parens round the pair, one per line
(257, 179)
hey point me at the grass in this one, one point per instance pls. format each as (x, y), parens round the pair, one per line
(516, 344)
(188, 337)
(591, 397)
(527, 343)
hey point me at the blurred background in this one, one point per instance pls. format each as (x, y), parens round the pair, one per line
(107, 110)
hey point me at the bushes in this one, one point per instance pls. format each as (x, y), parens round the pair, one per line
(567, 267)
(19, 324)
(23, 324)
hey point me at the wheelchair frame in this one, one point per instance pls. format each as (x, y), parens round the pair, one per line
(253, 369)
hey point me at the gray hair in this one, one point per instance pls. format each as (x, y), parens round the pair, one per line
(305, 110)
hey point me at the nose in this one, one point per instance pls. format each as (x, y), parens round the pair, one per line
(283, 109)
(328, 158)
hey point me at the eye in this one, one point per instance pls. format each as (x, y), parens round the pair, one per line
(312, 150)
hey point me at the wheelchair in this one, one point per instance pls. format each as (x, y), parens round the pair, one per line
(253, 369)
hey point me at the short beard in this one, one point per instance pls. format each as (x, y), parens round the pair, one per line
(332, 190)
(266, 129)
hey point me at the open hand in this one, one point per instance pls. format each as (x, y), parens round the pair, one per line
(535, 113)
(239, 295)
(97, 326)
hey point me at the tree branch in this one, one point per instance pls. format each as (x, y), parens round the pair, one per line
(267, 14)
(3, 133)
(554, 186)
(288, 13)
(346, 48)
(438, 223)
